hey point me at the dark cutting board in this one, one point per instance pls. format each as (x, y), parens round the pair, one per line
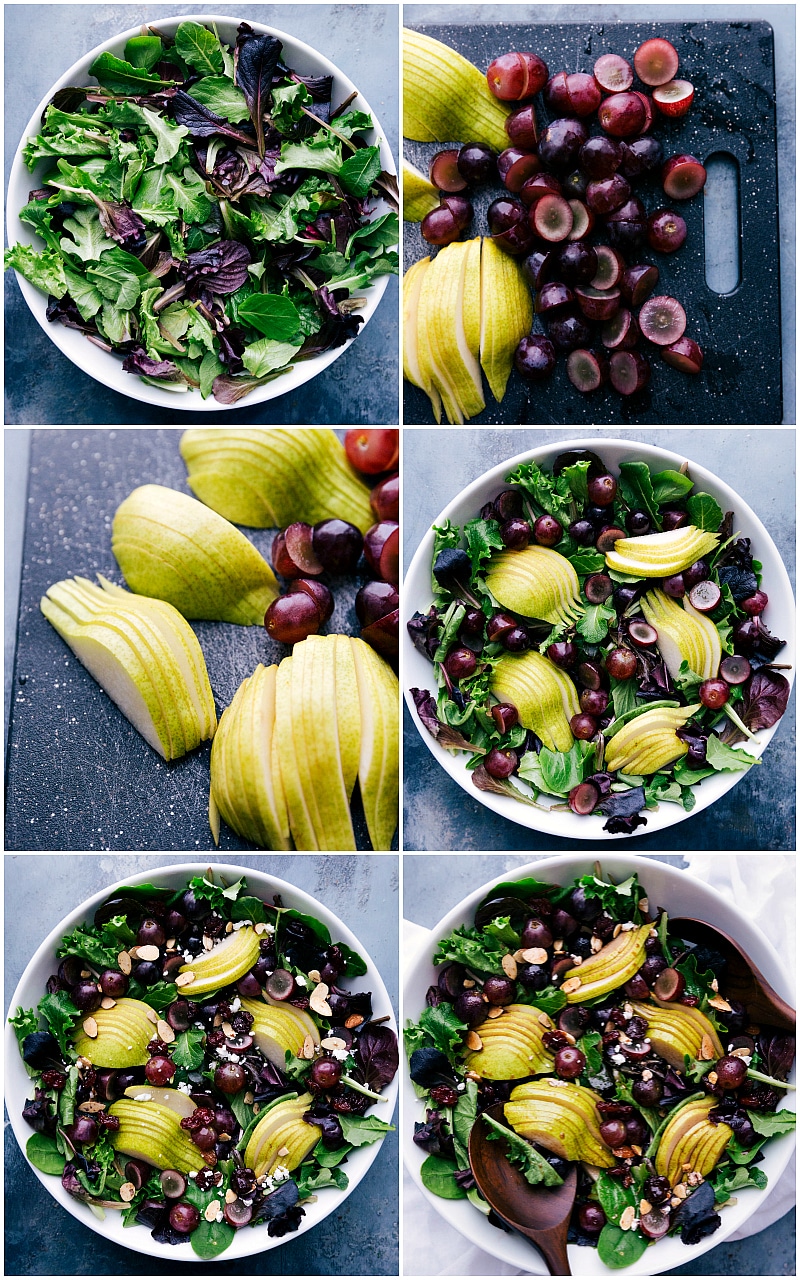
(78, 775)
(731, 66)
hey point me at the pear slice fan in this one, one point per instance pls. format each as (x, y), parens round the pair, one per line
(267, 479)
(174, 548)
(446, 98)
(294, 740)
(145, 656)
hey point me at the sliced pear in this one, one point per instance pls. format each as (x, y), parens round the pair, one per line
(229, 961)
(512, 1045)
(561, 1117)
(457, 372)
(419, 195)
(123, 1034)
(609, 968)
(649, 740)
(178, 1102)
(417, 366)
(176, 549)
(537, 583)
(292, 764)
(246, 779)
(379, 764)
(678, 1029)
(690, 1139)
(506, 314)
(278, 1031)
(270, 478)
(471, 307)
(446, 98)
(545, 697)
(282, 1130)
(432, 378)
(661, 555)
(151, 1132)
(684, 635)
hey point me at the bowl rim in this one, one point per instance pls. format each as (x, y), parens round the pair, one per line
(619, 866)
(73, 344)
(17, 1080)
(568, 825)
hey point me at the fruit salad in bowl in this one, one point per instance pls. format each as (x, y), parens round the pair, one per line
(200, 1062)
(600, 638)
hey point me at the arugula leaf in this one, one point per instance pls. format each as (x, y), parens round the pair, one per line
(588, 1045)
(722, 757)
(272, 314)
(670, 486)
(535, 1169)
(594, 623)
(362, 270)
(221, 96)
(443, 1028)
(43, 268)
(320, 153)
(636, 486)
(189, 194)
(360, 1131)
(266, 355)
(60, 1015)
(549, 1001)
(187, 1050)
(704, 512)
(360, 171)
(697, 983)
(199, 48)
(119, 76)
(621, 901)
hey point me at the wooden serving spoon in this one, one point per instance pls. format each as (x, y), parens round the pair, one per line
(540, 1213)
(743, 982)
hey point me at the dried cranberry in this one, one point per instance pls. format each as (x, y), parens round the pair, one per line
(242, 1021)
(215, 1039)
(200, 1118)
(553, 1040)
(54, 1079)
(208, 1178)
(107, 1121)
(445, 1095)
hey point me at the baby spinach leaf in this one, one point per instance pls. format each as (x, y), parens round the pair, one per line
(636, 486)
(360, 1131)
(187, 1050)
(210, 368)
(722, 757)
(160, 996)
(271, 314)
(439, 1176)
(360, 171)
(704, 511)
(465, 1112)
(382, 232)
(557, 772)
(119, 76)
(143, 52)
(44, 1155)
(614, 1198)
(220, 95)
(266, 355)
(585, 561)
(670, 486)
(249, 908)
(535, 1169)
(199, 48)
(355, 965)
(549, 1001)
(211, 1239)
(594, 623)
(617, 1248)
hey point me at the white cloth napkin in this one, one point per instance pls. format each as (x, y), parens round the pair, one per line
(758, 884)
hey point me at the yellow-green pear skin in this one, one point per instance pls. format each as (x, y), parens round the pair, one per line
(609, 968)
(545, 697)
(677, 1029)
(227, 962)
(661, 555)
(690, 1138)
(123, 1034)
(684, 634)
(433, 376)
(280, 1029)
(177, 1101)
(506, 314)
(512, 1045)
(419, 195)
(151, 1132)
(537, 583)
(562, 1117)
(446, 98)
(649, 742)
(327, 728)
(379, 758)
(175, 548)
(282, 1129)
(458, 374)
(266, 478)
(246, 777)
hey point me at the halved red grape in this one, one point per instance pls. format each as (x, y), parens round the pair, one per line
(384, 634)
(583, 92)
(662, 320)
(282, 562)
(582, 220)
(337, 545)
(290, 619)
(541, 184)
(372, 450)
(385, 498)
(705, 596)
(568, 332)
(440, 226)
(318, 592)
(621, 332)
(622, 115)
(561, 141)
(601, 156)
(521, 127)
(461, 209)
(444, 172)
(629, 372)
(574, 262)
(598, 304)
(714, 694)
(735, 669)
(598, 586)
(237, 1213)
(613, 73)
(586, 370)
(682, 177)
(756, 603)
(381, 550)
(280, 985)
(504, 214)
(537, 267)
(655, 61)
(551, 218)
(674, 99)
(684, 355)
(555, 93)
(299, 539)
(642, 634)
(649, 115)
(638, 282)
(516, 166)
(535, 357)
(551, 297)
(673, 518)
(610, 267)
(173, 1184)
(584, 798)
(516, 241)
(655, 1223)
(624, 232)
(643, 155)
(477, 163)
(607, 194)
(514, 76)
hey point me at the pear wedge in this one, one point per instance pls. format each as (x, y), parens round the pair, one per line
(297, 804)
(677, 1029)
(177, 1101)
(417, 367)
(690, 1139)
(277, 1031)
(545, 697)
(536, 583)
(561, 1117)
(649, 740)
(511, 1045)
(123, 1034)
(506, 313)
(282, 1137)
(446, 98)
(457, 372)
(331, 730)
(229, 961)
(176, 549)
(684, 635)
(270, 478)
(609, 968)
(419, 195)
(246, 780)
(379, 765)
(661, 555)
(152, 1132)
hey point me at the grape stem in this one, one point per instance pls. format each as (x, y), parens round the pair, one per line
(360, 1088)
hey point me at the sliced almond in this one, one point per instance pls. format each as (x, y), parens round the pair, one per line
(706, 1049)
(645, 1206)
(148, 953)
(260, 928)
(535, 955)
(124, 962)
(225, 1137)
(127, 1191)
(571, 984)
(217, 1020)
(617, 931)
(315, 975)
(680, 1191)
(558, 945)
(714, 984)
(744, 1052)
(474, 1041)
(596, 945)
(308, 1049)
(211, 1210)
(333, 1042)
(496, 1011)
(229, 927)
(152, 1016)
(91, 1108)
(647, 1075)
(208, 943)
(509, 965)
(354, 1020)
(544, 1019)
(86, 973)
(230, 1196)
(257, 1105)
(644, 905)
(577, 961)
(107, 1002)
(318, 1000)
(283, 1151)
(183, 979)
(171, 944)
(628, 1215)
(717, 1002)
(712, 1077)
(471, 1075)
(228, 1031)
(165, 1031)
(249, 1097)
(468, 984)
(90, 1027)
(637, 1151)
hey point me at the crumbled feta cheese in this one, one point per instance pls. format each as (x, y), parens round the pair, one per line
(185, 1088)
(143, 1097)
(341, 1055)
(300, 980)
(236, 1004)
(618, 1059)
(627, 926)
(269, 928)
(460, 1087)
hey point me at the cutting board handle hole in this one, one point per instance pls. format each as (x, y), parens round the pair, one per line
(722, 223)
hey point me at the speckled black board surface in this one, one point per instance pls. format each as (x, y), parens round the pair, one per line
(731, 66)
(78, 775)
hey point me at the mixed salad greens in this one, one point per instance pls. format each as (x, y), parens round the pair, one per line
(206, 212)
(209, 1031)
(597, 1035)
(598, 640)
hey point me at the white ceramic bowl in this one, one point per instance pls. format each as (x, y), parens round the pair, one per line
(681, 895)
(418, 671)
(107, 368)
(31, 987)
